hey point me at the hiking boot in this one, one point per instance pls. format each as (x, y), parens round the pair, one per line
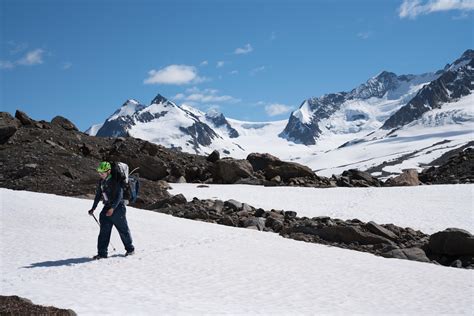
(98, 257)
(129, 253)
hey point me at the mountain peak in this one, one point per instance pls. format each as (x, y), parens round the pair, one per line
(465, 59)
(130, 102)
(385, 75)
(377, 86)
(159, 99)
(468, 54)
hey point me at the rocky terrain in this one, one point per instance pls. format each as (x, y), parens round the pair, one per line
(54, 157)
(452, 247)
(456, 167)
(14, 305)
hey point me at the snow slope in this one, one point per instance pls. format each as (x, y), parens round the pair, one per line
(426, 208)
(190, 267)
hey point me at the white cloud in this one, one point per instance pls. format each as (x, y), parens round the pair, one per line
(31, 58)
(66, 65)
(204, 63)
(413, 8)
(16, 47)
(220, 64)
(277, 109)
(203, 98)
(6, 64)
(254, 71)
(234, 72)
(273, 36)
(195, 95)
(174, 74)
(243, 50)
(197, 90)
(179, 96)
(364, 35)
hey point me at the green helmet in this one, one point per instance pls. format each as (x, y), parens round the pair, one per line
(104, 166)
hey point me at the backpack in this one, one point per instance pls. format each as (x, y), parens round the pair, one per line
(129, 183)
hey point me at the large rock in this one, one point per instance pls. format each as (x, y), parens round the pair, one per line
(350, 234)
(416, 254)
(288, 170)
(381, 231)
(452, 242)
(358, 178)
(262, 161)
(64, 123)
(24, 118)
(8, 126)
(214, 156)
(344, 234)
(255, 222)
(230, 170)
(409, 177)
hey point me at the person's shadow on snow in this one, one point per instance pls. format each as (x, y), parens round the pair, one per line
(64, 262)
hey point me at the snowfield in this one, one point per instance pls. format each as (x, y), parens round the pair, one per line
(190, 267)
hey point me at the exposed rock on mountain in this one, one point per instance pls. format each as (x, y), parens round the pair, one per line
(303, 124)
(219, 120)
(456, 81)
(459, 168)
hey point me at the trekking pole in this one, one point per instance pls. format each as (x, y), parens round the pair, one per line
(99, 227)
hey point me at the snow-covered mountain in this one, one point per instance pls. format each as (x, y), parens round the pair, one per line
(365, 108)
(386, 124)
(163, 122)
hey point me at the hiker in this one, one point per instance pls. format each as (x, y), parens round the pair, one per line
(113, 213)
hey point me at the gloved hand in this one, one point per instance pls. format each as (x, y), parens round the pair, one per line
(91, 212)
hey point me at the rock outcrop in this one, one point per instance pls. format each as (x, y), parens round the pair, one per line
(452, 247)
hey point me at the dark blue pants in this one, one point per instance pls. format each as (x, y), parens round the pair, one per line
(118, 220)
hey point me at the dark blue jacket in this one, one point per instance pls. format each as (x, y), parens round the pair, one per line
(110, 192)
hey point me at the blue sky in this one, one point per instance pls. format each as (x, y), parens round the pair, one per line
(251, 60)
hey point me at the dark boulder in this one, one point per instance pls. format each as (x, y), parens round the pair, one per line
(381, 231)
(263, 161)
(174, 200)
(289, 170)
(64, 123)
(350, 234)
(24, 118)
(357, 178)
(230, 170)
(452, 242)
(214, 156)
(8, 126)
